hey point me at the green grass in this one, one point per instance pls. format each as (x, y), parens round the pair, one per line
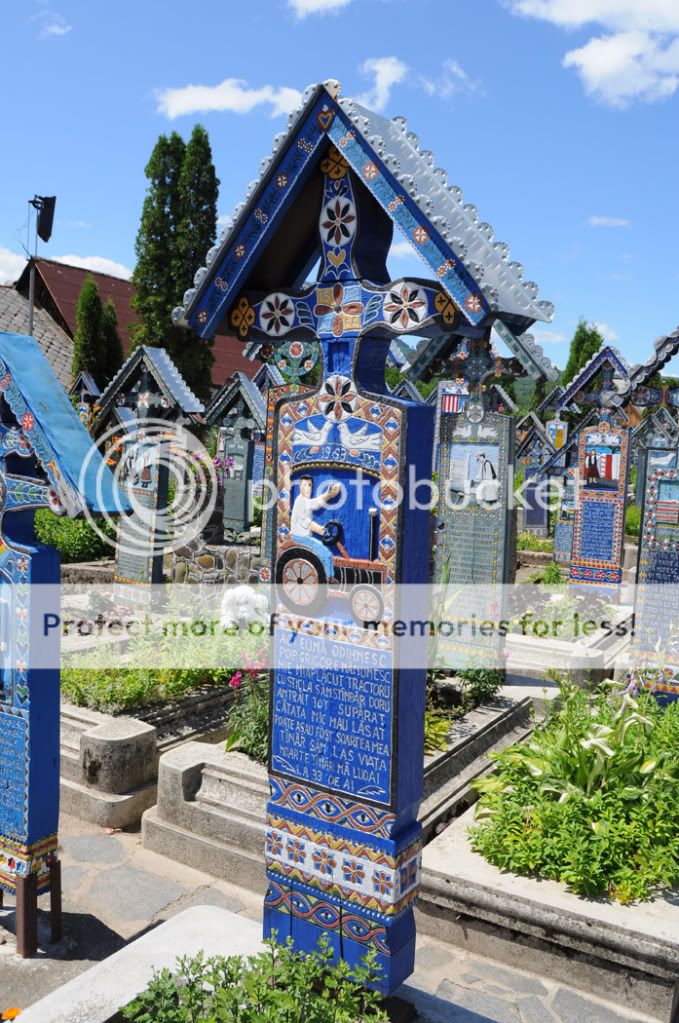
(531, 542)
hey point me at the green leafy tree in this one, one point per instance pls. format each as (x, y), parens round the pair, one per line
(586, 342)
(87, 341)
(178, 226)
(112, 345)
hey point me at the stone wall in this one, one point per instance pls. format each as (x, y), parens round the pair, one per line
(199, 563)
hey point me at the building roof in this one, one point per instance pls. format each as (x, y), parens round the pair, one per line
(54, 342)
(453, 242)
(63, 283)
(52, 427)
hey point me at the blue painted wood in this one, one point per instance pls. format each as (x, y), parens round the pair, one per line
(43, 448)
(343, 842)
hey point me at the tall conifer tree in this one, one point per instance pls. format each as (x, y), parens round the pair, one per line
(88, 355)
(586, 342)
(112, 345)
(178, 226)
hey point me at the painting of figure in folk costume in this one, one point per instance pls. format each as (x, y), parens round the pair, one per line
(602, 467)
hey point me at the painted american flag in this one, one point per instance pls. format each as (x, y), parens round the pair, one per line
(668, 512)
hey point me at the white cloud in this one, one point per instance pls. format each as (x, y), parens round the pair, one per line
(452, 79)
(232, 94)
(609, 222)
(401, 249)
(100, 264)
(303, 7)
(51, 24)
(636, 57)
(607, 333)
(544, 336)
(11, 265)
(387, 72)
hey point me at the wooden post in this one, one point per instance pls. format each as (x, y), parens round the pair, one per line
(56, 916)
(26, 916)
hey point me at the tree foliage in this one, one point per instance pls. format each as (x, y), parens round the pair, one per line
(88, 355)
(586, 342)
(97, 348)
(114, 355)
(178, 226)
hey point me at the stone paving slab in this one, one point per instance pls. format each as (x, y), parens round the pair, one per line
(449, 985)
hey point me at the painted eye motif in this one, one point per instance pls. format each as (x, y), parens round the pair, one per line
(329, 809)
(298, 797)
(362, 817)
(298, 904)
(326, 916)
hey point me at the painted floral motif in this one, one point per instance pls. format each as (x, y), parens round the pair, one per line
(382, 882)
(346, 315)
(473, 303)
(324, 861)
(239, 251)
(334, 165)
(305, 146)
(405, 306)
(261, 216)
(421, 235)
(346, 139)
(339, 223)
(243, 317)
(277, 314)
(296, 850)
(370, 171)
(354, 871)
(408, 875)
(221, 284)
(274, 843)
(296, 349)
(395, 203)
(22, 564)
(338, 398)
(202, 317)
(446, 308)
(27, 422)
(282, 181)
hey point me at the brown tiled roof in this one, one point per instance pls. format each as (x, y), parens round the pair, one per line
(55, 342)
(61, 286)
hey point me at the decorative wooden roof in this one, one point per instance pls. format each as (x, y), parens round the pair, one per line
(166, 375)
(239, 386)
(53, 429)
(272, 240)
(607, 356)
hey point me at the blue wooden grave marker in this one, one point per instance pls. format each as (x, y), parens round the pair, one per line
(346, 752)
(48, 461)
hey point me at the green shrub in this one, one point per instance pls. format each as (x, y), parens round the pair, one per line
(530, 542)
(277, 986)
(550, 575)
(480, 685)
(592, 800)
(633, 520)
(119, 680)
(436, 731)
(249, 714)
(75, 539)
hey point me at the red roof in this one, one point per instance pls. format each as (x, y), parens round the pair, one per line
(63, 283)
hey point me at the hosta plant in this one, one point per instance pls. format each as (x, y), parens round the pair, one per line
(592, 799)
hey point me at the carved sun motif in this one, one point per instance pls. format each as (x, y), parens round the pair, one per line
(405, 306)
(338, 397)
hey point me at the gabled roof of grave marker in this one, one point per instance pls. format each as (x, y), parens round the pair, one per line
(660, 421)
(531, 419)
(166, 375)
(448, 234)
(551, 401)
(268, 375)
(53, 429)
(606, 354)
(664, 349)
(504, 397)
(534, 435)
(84, 382)
(232, 389)
(407, 389)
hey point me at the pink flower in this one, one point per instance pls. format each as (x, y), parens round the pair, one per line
(236, 680)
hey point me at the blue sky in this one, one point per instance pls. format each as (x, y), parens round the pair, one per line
(558, 118)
